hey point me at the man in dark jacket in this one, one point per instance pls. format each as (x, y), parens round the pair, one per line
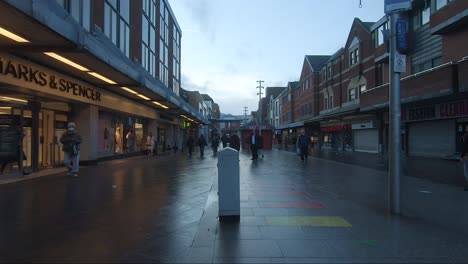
(202, 143)
(71, 141)
(303, 144)
(253, 142)
(225, 139)
(190, 144)
(464, 158)
(235, 142)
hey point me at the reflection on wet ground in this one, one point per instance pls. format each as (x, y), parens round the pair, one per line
(164, 209)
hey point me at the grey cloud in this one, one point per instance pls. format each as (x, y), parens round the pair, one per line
(203, 15)
(189, 85)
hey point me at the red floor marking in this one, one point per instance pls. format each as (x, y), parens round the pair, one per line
(315, 205)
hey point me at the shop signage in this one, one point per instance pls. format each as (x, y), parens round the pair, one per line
(328, 129)
(367, 125)
(436, 111)
(32, 75)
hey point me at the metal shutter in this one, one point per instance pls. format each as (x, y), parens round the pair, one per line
(432, 139)
(366, 140)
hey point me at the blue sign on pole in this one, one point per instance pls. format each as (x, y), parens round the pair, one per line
(397, 5)
(402, 36)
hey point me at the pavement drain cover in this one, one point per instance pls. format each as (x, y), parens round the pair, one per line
(366, 242)
(324, 221)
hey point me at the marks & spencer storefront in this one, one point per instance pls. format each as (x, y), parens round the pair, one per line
(42, 101)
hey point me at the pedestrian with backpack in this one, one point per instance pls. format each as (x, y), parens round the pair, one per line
(71, 141)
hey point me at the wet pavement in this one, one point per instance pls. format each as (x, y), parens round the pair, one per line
(164, 209)
(440, 170)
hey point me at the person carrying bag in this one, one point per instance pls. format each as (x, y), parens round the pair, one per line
(71, 141)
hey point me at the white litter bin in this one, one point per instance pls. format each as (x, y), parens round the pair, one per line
(228, 185)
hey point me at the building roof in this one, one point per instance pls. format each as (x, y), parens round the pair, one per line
(316, 62)
(336, 55)
(293, 85)
(274, 91)
(366, 25)
(207, 97)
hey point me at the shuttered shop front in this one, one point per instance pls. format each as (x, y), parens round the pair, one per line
(431, 139)
(366, 140)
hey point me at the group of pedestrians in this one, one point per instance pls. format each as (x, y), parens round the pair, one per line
(231, 140)
(201, 142)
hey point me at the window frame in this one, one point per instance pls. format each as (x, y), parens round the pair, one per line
(354, 98)
(113, 26)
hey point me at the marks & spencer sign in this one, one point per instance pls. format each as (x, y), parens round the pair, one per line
(20, 73)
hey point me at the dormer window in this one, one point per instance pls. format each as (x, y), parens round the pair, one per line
(354, 51)
(354, 56)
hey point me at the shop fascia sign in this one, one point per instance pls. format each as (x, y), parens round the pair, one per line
(23, 74)
(436, 111)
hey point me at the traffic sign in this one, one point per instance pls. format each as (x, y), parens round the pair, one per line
(399, 62)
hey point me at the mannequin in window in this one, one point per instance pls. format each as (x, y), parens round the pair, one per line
(118, 141)
(106, 138)
(131, 141)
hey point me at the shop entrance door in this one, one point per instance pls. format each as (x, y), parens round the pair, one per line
(48, 142)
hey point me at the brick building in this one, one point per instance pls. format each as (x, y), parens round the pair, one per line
(353, 87)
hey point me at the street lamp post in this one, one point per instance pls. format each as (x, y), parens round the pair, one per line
(259, 115)
(398, 44)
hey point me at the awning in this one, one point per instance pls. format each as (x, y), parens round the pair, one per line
(340, 111)
(291, 125)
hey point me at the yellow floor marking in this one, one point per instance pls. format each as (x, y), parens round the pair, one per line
(328, 221)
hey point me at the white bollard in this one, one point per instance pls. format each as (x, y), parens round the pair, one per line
(228, 185)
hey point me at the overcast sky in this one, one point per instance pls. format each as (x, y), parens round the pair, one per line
(228, 45)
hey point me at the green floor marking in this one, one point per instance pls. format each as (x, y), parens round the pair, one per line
(325, 221)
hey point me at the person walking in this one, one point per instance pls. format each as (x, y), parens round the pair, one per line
(71, 141)
(202, 143)
(253, 141)
(303, 144)
(225, 139)
(235, 142)
(260, 145)
(215, 144)
(130, 141)
(150, 144)
(190, 144)
(464, 158)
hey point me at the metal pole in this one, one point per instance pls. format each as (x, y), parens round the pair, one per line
(395, 127)
(245, 114)
(260, 87)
